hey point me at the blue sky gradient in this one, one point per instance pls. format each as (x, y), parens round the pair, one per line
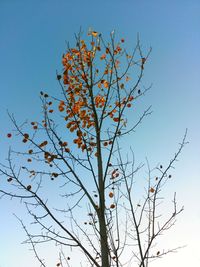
(33, 39)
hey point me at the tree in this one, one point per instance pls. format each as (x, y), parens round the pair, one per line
(76, 145)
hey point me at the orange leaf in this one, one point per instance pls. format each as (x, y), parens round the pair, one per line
(26, 136)
(103, 56)
(106, 84)
(107, 50)
(99, 85)
(61, 108)
(152, 190)
(94, 34)
(130, 98)
(116, 119)
(43, 144)
(64, 144)
(83, 147)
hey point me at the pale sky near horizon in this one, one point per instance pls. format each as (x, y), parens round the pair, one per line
(33, 37)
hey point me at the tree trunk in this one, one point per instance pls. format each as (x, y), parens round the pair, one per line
(103, 242)
(101, 214)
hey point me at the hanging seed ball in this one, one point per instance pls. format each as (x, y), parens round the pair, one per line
(111, 194)
(28, 187)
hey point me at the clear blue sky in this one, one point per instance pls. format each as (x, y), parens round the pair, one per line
(33, 37)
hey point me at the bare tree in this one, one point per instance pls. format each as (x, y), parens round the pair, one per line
(76, 146)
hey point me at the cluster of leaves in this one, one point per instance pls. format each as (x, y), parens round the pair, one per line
(92, 95)
(95, 93)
